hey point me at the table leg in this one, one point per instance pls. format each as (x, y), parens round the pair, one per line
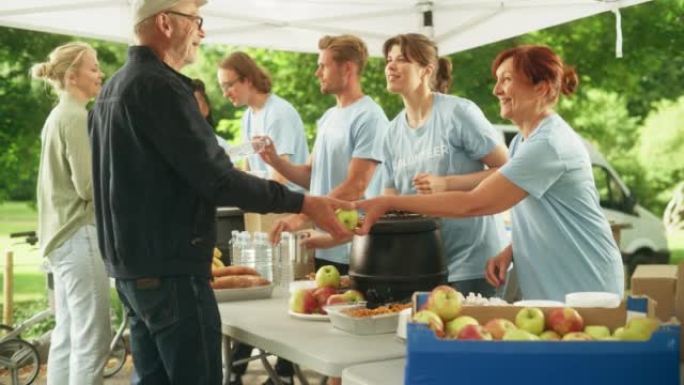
(227, 359)
(300, 375)
(267, 365)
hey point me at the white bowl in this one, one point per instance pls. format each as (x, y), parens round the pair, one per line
(592, 299)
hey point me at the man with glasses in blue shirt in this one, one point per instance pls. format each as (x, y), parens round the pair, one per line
(158, 175)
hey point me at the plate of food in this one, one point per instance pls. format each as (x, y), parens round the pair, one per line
(239, 283)
(309, 317)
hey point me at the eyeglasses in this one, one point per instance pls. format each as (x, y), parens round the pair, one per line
(197, 19)
(225, 86)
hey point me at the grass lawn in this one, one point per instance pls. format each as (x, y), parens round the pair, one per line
(29, 281)
(676, 244)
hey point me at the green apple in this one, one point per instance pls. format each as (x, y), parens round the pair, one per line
(445, 301)
(577, 336)
(432, 320)
(328, 276)
(349, 218)
(530, 319)
(617, 333)
(519, 335)
(353, 296)
(640, 329)
(454, 326)
(597, 332)
(550, 335)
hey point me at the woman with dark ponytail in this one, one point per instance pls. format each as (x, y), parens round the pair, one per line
(437, 143)
(561, 239)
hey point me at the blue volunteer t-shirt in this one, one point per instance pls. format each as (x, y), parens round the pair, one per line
(343, 133)
(279, 120)
(562, 241)
(452, 141)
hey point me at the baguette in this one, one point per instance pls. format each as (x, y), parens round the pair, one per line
(238, 281)
(234, 270)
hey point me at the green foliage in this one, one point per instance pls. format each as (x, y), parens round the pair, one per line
(26, 104)
(25, 310)
(662, 147)
(22, 111)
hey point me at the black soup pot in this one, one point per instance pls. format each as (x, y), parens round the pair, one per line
(402, 253)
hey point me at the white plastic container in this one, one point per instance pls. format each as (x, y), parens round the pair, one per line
(377, 324)
(404, 318)
(592, 299)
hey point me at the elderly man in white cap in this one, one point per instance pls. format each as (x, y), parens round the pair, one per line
(158, 176)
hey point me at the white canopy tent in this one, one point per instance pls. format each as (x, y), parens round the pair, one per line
(296, 25)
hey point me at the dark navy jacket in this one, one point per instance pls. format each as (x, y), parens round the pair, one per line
(159, 173)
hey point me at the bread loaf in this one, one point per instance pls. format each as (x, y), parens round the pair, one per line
(238, 281)
(234, 270)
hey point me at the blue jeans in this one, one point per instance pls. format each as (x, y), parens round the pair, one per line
(175, 330)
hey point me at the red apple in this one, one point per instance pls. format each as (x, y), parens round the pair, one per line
(328, 276)
(565, 320)
(303, 301)
(445, 301)
(432, 320)
(336, 299)
(322, 294)
(497, 327)
(474, 332)
(454, 326)
(530, 319)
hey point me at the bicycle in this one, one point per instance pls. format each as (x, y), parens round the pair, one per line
(19, 359)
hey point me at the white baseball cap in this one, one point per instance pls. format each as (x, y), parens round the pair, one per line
(142, 9)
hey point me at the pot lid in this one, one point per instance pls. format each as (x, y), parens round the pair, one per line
(398, 222)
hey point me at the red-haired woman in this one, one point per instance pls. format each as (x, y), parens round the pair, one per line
(561, 241)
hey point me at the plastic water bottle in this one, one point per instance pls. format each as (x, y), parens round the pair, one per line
(285, 260)
(248, 148)
(263, 255)
(234, 246)
(246, 250)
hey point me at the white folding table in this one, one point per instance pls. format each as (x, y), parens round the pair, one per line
(266, 325)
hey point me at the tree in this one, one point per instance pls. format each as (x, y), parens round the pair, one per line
(23, 110)
(661, 146)
(26, 104)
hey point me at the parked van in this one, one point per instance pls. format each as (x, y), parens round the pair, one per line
(642, 238)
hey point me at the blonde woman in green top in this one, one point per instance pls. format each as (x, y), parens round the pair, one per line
(66, 230)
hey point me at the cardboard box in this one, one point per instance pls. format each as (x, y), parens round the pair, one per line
(261, 222)
(658, 282)
(434, 361)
